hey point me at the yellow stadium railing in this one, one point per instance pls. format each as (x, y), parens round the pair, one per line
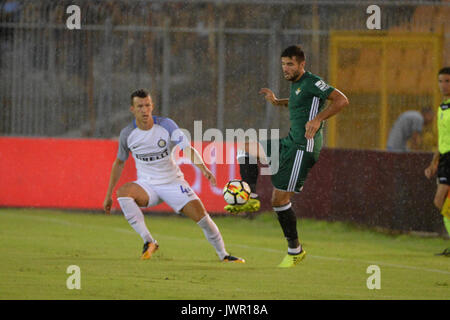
(383, 74)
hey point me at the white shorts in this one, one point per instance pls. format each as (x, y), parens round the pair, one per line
(176, 193)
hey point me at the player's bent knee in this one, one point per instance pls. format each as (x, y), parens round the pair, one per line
(124, 191)
(134, 191)
(195, 210)
(280, 199)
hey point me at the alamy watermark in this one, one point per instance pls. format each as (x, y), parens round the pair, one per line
(374, 20)
(374, 280)
(73, 22)
(74, 280)
(222, 149)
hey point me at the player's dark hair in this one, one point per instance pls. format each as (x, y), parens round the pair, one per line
(294, 51)
(445, 70)
(141, 93)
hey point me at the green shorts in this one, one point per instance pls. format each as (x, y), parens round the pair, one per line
(293, 166)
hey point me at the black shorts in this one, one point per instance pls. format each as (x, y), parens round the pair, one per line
(443, 171)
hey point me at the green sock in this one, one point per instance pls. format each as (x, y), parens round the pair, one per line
(447, 224)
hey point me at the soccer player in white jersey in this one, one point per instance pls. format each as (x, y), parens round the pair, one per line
(151, 140)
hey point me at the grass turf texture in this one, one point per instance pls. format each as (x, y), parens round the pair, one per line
(37, 246)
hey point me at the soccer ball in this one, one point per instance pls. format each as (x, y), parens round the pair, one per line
(236, 192)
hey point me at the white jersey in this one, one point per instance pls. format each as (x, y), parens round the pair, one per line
(152, 150)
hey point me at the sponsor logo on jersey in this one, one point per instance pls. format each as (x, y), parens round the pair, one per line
(152, 156)
(445, 106)
(298, 91)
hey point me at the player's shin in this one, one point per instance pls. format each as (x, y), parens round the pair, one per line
(135, 217)
(248, 169)
(213, 235)
(288, 222)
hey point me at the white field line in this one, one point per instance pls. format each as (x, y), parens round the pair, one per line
(182, 239)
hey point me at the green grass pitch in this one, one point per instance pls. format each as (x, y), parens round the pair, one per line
(37, 246)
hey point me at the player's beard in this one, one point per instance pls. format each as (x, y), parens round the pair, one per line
(294, 77)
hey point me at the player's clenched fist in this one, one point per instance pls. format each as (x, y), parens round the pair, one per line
(311, 128)
(210, 176)
(107, 205)
(269, 95)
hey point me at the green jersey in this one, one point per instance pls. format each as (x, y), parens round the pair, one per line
(306, 100)
(443, 122)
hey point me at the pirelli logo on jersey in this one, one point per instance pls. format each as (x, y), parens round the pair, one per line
(152, 156)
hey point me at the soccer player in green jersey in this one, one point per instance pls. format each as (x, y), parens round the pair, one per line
(299, 151)
(441, 158)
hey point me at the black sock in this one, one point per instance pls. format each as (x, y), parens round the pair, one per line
(288, 222)
(249, 171)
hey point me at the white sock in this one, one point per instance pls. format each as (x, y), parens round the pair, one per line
(295, 250)
(213, 235)
(135, 217)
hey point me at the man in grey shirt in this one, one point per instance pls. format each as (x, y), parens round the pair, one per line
(408, 126)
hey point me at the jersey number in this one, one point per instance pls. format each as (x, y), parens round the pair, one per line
(185, 190)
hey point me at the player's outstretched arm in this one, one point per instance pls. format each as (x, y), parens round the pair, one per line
(270, 96)
(338, 102)
(116, 172)
(192, 154)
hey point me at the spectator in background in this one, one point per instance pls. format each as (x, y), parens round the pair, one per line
(408, 128)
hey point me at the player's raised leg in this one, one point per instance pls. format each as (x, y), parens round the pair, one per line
(196, 211)
(281, 203)
(248, 154)
(131, 197)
